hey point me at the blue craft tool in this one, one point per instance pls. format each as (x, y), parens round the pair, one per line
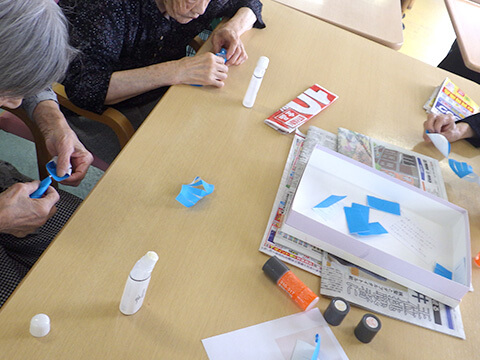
(317, 347)
(45, 183)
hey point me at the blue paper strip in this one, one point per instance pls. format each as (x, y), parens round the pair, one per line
(374, 229)
(355, 220)
(332, 199)
(462, 169)
(193, 192)
(442, 271)
(383, 205)
(363, 210)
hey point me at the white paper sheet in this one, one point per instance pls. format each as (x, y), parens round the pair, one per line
(275, 340)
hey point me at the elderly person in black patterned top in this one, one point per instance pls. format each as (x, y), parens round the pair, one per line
(133, 50)
(34, 53)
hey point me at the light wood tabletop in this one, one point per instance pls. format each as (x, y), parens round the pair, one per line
(377, 20)
(465, 15)
(209, 277)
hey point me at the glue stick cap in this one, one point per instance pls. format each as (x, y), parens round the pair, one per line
(262, 65)
(263, 62)
(275, 269)
(40, 325)
(144, 267)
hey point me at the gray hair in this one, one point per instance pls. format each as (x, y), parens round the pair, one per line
(34, 47)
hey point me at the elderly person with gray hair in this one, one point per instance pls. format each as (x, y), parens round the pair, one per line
(34, 52)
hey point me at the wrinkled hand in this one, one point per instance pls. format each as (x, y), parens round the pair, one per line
(19, 214)
(204, 69)
(64, 143)
(446, 126)
(227, 38)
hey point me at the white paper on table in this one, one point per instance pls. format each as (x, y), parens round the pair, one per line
(275, 340)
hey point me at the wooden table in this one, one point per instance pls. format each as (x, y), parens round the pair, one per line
(465, 16)
(208, 280)
(377, 20)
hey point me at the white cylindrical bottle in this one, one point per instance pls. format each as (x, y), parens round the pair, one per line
(255, 82)
(137, 284)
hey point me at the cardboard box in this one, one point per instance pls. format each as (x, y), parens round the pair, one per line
(428, 232)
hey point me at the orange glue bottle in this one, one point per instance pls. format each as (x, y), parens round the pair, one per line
(293, 286)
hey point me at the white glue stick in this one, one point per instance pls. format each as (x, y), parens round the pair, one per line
(255, 82)
(137, 284)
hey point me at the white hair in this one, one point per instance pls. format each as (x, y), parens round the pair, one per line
(34, 46)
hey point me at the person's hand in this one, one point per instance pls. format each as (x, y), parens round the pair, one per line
(19, 214)
(446, 126)
(204, 69)
(227, 38)
(62, 141)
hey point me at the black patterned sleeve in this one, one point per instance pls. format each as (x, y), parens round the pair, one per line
(99, 36)
(474, 122)
(232, 7)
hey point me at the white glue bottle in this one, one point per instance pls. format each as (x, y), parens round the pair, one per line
(255, 82)
(137, 284)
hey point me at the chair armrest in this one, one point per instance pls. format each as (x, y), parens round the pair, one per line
(110, 117)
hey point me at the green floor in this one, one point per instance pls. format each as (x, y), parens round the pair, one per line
(21, 153)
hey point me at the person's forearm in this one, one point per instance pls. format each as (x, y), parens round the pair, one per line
(48, 117)
(242, 21)
(129, 83)
(466, 132)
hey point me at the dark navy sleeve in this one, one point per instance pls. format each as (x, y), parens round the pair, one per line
(256, 7)
(474, 122)
(230, 7)
(98, 32)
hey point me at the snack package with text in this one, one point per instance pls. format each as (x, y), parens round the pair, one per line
(301, 109)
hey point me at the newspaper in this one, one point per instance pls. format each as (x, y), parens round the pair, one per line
(310, 258)
(448, 98)
(418, 170)
(378, 294)
(297, 159)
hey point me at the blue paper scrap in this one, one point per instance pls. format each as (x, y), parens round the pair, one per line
(374, 229)
(356, 221)
(332, 199)
(193, 192)
(462, 169)
(442, 271)
(383, 205)
(363, 210)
